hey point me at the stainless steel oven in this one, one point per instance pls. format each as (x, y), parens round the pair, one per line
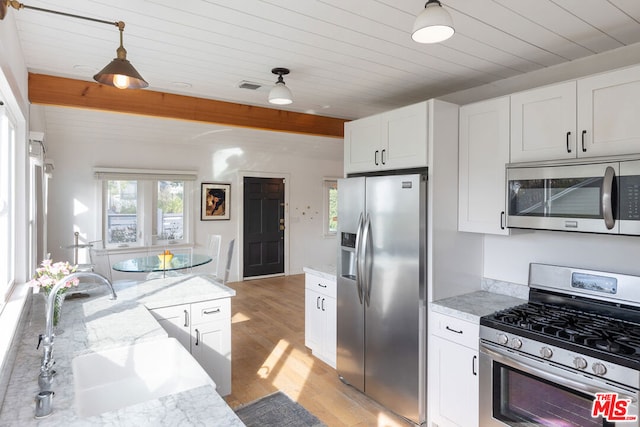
(594, 196)
(570, 357)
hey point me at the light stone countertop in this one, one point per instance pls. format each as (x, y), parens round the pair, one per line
(97, 323)
(325, 271)
(472, 306)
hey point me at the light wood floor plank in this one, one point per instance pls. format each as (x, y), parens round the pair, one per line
(269, 355)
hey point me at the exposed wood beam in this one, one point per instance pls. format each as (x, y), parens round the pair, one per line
(50, 90)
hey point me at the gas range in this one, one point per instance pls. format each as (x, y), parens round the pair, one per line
(581, 319)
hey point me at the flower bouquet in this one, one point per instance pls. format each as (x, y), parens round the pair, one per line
(47, 276)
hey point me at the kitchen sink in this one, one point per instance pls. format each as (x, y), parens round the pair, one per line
(115, 378)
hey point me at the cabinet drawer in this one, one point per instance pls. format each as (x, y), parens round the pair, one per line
(320, 285)
(209, 311)
(456, 330)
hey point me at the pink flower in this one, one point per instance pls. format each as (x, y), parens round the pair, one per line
(50, 273)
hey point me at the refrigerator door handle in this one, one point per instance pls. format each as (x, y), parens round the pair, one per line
(359, 257)
(367, 260)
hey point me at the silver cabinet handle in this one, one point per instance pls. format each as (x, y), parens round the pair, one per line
(323, 304)
(473, 365)
(568, 146)
(186, 318)
(584, 149)
(197, 337)
(453, 330)
(318, 303)
(217, 310)
(607, 200)
(384, 162)
(502, 220)
(321, 285)
(375, 157)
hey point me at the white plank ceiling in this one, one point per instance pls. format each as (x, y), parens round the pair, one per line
(348, 59)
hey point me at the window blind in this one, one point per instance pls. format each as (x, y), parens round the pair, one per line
(117, 174)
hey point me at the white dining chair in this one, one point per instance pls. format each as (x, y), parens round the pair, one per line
(214, 242)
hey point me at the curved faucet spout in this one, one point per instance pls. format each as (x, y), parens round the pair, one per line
(52, 295)
(47, 339)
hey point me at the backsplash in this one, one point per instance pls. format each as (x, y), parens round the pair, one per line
(505, 288)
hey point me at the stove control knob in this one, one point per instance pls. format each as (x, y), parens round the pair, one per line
(546, 352)
(599, 369)
(502, 339)
(580, 362)
(516, 343)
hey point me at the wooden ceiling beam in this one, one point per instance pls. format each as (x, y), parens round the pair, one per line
(50, 90)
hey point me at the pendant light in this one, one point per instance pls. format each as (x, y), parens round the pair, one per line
(433, 24)
(118, 73)
(280, 94)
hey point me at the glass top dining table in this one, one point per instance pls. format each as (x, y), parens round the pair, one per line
(152, 263)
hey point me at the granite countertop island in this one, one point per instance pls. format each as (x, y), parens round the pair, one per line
(95, 323)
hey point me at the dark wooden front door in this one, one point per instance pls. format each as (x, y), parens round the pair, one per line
(263, 226)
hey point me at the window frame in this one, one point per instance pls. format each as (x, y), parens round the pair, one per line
(146, 204)
(8, 166)
(327, 184)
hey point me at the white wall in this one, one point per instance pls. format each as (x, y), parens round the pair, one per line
(73, 202)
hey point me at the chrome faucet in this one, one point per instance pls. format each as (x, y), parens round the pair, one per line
(46, 371)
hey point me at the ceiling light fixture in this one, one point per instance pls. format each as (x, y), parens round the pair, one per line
(118, 73)
(433, 24)
(280, 94)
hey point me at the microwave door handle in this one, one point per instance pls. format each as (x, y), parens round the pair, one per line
(607, 199)
(359, 257)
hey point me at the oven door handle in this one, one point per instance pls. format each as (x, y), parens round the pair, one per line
(586, 388)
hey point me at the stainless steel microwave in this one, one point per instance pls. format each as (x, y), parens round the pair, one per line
(595, 196)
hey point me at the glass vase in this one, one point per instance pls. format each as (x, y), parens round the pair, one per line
(57, 309)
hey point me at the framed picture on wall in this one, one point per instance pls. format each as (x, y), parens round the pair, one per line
(214, 201)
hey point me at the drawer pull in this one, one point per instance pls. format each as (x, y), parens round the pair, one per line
(186, 318)
(321, 285)
(453, 330)
(197, 337)
(217, 310)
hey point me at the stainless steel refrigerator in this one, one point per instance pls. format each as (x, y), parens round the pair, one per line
(382, 293)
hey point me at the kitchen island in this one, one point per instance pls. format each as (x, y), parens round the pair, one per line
(95, 323)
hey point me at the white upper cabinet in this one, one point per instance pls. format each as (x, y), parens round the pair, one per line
(591, 117)
(393, 140)
(609, 113)
(543, 123)
(483, 153)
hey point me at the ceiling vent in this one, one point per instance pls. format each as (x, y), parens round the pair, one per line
(249, 85)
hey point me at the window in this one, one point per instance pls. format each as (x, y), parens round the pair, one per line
(330, 188)
(145, 208)
(7, 203)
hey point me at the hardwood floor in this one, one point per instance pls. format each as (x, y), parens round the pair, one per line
(268, 354)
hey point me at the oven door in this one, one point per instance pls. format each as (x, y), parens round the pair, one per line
(517, 390)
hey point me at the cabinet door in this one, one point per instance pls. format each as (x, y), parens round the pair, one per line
(312, 320)
(176, 320)
(543, 123)
(608, 112)
(329, 330)
(362, 145)
(211, 347)
(484, 151)
(404, 143)
(454, 384)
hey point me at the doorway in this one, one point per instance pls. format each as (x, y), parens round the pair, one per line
(263, 239)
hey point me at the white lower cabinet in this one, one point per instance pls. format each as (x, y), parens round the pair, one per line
(453, 372)
(320, 318)
(203, 328)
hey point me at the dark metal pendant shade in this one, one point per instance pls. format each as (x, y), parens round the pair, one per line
(121, 74)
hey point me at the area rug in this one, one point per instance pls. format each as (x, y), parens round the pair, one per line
(276, 409)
